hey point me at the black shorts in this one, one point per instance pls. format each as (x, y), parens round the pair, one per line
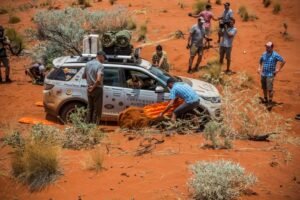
(186, 108)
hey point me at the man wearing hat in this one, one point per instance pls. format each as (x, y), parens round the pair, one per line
(3, 56)
(195, 43)
(183, 91)
(93, 73)
(224, 19)
(268, 69)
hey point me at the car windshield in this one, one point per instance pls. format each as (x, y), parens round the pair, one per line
(163, 75)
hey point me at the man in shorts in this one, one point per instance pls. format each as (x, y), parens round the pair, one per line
(195, 43)
(226, 44)
(183, 91)
(268, 69)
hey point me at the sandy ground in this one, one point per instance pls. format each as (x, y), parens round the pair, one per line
(164, 173)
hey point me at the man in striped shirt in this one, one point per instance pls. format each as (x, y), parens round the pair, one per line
(268, 69)
(183, 91)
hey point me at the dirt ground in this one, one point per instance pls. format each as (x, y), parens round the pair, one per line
(164, 173)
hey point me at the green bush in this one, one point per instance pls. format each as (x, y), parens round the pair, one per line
(245, 15)
(267, 3)
(219, 2)
(112, 2)
(213, 73)
(219, 180)
(131, 25)
(199, 6)
(276, 8)
(16, 40)
(142, 32)
(13, 19)
(80, 134)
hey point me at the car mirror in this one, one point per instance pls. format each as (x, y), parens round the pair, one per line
(159, 89)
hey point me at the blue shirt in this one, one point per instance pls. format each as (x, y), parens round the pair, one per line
(227, 40)
(269, 61)
(227, 15)
(184, 91)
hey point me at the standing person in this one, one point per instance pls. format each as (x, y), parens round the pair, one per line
(224, 19)
(226, 44)
(159, 58)
(208, 16)
(268, 69)
(183, 91)
(195, 43)
(4, 41)
(93, 73)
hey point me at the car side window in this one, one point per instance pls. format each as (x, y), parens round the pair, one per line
(112, 77)
(63, 73)
(139, 80)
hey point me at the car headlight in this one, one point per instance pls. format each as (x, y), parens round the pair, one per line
(212, 99)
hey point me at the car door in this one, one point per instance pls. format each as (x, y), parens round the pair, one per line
(143, 94)
(113, 95)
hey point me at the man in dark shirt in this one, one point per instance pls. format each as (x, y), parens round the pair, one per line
(3, 56)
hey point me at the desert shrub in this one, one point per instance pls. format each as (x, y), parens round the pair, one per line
(142, 32)
(213, 73)
(218, 135)
(46, 134)
(37, 165)
(3, 11)
(84, 3)
(46, 52)
(245, 15)
(267, 3)
(13, 19)
(95, 161)
(199, 6)
(16, 41)
(219, 180)
(25, 6)
(219, 2)
(276, 7)
(15, 140)
(112, 2)
(81, 134)
(61, 31)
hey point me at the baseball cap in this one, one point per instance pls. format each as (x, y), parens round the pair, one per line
(227, 4)
(201, 19)
(269, 44)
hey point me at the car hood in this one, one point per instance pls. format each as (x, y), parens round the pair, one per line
(202, 88)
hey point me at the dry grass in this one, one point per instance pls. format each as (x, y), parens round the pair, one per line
(276, 7)
(246, 15)
(13, 19)
(219, 2)
(267, 3)
(199, 6)
(37, 165)
(95, 160)
(142, 32)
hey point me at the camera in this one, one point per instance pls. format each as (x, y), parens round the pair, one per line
(222, 24)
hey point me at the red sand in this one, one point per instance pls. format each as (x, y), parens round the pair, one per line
(164, 173)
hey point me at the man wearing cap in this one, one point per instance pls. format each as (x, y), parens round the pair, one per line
(208, 16)
(226, 44)
(224, 19)
(183, 91)
(268, 69)
(4, 41)
(93, 73)
(195, 43)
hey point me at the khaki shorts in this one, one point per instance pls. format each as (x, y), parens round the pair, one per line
(196, 50)
(267, 83)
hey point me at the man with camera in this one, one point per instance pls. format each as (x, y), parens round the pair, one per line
(3, 56)
(224, 19)
(226, 43)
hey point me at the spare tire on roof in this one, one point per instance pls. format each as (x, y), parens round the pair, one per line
(123, 38)
(108, 39)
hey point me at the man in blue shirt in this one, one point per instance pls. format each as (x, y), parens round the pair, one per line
(226, 43)
(268, 69)
(183, 91)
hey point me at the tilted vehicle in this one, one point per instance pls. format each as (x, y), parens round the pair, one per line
(64, 88)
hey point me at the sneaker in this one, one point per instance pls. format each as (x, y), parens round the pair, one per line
(297, 117)
(189, 71)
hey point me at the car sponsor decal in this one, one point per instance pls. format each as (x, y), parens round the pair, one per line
(69, 92)
(109, 106)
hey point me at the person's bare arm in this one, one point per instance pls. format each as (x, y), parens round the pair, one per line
(189, 41)
(278, 69)
(260, 66)
(168, 107)
(161, 60)
(97, 83)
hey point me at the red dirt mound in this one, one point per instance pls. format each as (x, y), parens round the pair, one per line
(133, 117)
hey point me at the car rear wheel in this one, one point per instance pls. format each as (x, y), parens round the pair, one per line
(68, 109)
